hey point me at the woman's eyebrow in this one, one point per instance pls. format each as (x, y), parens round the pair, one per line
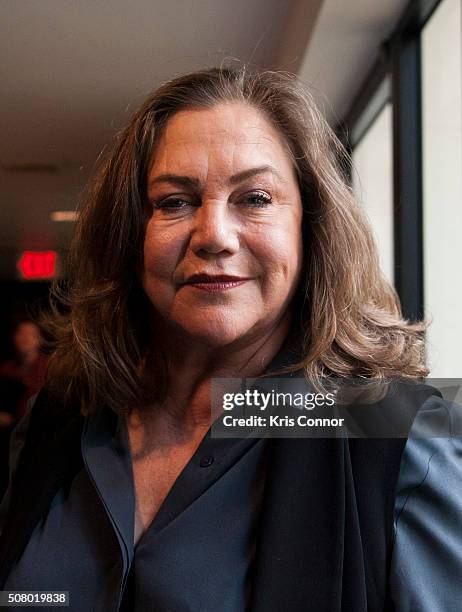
(188, 181)
(177, 179)
(246, 174)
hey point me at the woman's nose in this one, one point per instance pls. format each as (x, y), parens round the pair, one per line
(214, 230)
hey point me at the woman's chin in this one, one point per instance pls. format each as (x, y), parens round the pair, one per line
(214, 334)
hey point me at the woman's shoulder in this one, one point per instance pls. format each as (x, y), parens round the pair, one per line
(408, 426)
(432, 457)
(427, 550)
(17, 441)
(47, 429)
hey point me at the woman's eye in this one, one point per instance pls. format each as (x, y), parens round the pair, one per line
(172, 204)
(257, 199)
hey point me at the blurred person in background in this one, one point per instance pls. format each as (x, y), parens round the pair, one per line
(20, 378)
(26, 371)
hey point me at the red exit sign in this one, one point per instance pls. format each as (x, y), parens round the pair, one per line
(37, 265)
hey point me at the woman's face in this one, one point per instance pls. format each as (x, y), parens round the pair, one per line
(225, 206)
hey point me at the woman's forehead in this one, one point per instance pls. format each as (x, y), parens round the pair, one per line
(228, 138)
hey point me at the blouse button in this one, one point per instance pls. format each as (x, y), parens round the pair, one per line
(206, 461)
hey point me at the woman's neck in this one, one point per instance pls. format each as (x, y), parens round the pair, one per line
(192, 366)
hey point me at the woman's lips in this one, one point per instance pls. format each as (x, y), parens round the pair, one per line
(215, 284)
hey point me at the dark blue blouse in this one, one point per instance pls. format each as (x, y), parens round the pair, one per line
(179, 563)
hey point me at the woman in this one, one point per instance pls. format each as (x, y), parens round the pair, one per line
(219, 239)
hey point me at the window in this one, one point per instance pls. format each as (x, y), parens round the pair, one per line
(373, 183)
(442, 187)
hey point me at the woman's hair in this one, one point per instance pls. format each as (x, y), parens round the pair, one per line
(349, 316)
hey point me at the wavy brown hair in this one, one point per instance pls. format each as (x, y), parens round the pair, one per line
(349, 315)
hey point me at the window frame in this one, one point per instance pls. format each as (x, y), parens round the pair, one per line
(399, 64)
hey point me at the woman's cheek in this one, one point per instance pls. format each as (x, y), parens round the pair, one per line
(280, 255)
(162, 249)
